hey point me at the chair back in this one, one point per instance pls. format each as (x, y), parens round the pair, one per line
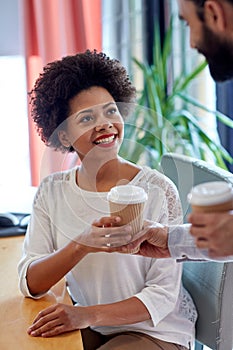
(209, 283)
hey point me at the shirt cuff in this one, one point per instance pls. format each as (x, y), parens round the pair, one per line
(181, 244)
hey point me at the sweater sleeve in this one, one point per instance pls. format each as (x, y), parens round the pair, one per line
(38, 240)
(161, 289)
(182, 246)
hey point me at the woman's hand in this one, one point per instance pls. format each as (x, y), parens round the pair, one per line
(105, 234)
(58, 319)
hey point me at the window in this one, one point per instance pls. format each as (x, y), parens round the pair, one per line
(123, 31)
(14, 141)
(14, 144)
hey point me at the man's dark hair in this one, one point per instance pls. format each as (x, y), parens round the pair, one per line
(61, 80)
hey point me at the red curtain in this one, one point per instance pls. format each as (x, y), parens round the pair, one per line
(53, 29)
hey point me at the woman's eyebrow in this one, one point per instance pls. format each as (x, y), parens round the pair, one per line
(109, 104)
(91, 110)
(84, 111)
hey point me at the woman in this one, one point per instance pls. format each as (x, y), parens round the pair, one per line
(121, 301)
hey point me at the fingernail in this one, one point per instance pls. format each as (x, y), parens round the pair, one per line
(117, 219)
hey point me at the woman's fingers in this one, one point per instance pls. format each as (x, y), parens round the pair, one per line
(48, 311)
(54, 320)
(107, 221)
(45, 321)
(104, 237)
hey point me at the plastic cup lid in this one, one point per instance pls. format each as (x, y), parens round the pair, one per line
(210, 193)
(127, 194)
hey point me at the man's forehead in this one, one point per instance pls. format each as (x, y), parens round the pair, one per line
(182, 5)
(186, 8)
(181, 8)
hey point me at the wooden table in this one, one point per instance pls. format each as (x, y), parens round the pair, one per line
(18, 312)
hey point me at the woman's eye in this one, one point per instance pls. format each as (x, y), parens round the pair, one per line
(86, 119)
(112, 111)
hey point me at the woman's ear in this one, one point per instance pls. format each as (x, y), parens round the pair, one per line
(215, 16)
(63, 137)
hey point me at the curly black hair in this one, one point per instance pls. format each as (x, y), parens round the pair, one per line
(61, 80)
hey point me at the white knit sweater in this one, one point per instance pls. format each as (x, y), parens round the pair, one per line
(61, 210)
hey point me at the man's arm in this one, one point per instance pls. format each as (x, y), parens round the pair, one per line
(159, 241)
(182, 245)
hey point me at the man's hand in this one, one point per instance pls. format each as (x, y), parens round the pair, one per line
(152, 242)
(213, 231)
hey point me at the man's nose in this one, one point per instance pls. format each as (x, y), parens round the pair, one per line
(191, 40)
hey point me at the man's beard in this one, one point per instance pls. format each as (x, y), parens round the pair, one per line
(218, 53)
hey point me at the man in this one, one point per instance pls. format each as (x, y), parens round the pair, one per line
(211, 33)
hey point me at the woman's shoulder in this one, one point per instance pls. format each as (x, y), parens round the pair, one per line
(60, 178)
(154, 177)
(150, 174)
(51, 183)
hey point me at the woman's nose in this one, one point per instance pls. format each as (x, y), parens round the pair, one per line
(104, 125)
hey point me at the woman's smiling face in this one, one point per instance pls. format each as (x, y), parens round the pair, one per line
(95, 125)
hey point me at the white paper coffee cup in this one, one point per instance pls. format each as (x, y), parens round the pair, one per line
(215, 196)
(128, 201)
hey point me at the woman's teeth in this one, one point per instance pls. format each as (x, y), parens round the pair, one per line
(105, 140)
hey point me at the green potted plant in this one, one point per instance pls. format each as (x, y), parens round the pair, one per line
(162, 121)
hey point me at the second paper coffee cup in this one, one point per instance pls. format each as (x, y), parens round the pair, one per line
(215, 196)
